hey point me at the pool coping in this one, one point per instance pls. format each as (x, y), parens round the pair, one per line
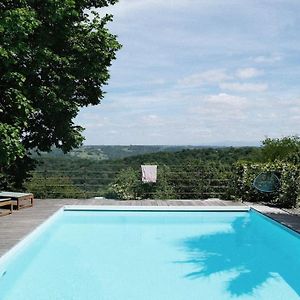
(156, 208)
(271, 219)
(25, 241)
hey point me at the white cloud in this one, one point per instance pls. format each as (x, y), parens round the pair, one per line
(226, 99)
(247, 73)
(165, 84)
(269, 59)
(157, 81)
(220, 111)
(91, 120)
(129, 7)
(206, 77)
(152, 120)
(296, 120)
(244, 87)
(113, 131)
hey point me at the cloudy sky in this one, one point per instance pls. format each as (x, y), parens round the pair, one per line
(200, 72)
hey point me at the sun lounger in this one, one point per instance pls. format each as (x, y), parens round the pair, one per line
(6, 202)
(20, 200)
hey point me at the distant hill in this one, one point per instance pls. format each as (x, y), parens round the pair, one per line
(222, 155)
(115, 152)
(95, 158)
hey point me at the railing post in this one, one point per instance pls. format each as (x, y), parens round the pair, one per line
(84, 182)
(45, 183)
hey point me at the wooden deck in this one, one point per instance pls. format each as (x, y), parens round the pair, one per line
(16, 226)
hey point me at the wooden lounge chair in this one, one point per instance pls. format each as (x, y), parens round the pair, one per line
(18, 199)
(6, 202)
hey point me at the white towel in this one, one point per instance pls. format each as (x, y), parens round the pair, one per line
(149, 173)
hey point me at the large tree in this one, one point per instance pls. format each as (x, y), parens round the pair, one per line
(54, 59)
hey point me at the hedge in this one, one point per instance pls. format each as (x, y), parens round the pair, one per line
(288, 194)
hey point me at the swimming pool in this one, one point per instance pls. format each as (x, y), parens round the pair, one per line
(93, 254)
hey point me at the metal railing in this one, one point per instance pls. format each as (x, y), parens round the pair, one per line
(173, 182)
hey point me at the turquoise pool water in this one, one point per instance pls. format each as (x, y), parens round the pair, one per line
(155, 255)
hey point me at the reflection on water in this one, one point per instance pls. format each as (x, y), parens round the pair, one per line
(256, 250)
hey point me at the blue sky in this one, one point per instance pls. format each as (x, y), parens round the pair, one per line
(200, 72)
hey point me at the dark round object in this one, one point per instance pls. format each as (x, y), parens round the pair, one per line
(267, 182)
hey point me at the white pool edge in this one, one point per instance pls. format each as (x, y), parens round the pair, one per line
(244, 208)
(26, 240)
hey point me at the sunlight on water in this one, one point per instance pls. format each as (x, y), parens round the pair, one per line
(157, 255)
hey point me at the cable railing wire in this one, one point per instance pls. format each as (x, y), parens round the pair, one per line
(84, 182)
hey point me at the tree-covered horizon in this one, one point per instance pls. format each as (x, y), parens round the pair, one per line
(226, 173)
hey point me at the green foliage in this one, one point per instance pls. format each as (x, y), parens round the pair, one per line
(294, 158)
(53, 187)
(281, 156)
(156, 152)
(197, 173)
(128, 185)
(54, 60)
(13, 175)
(284, 149)
(10, 146)
(192, 179)
(289, 174)
(197, 179)
(164, 188)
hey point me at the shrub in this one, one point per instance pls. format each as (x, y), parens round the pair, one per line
(53, 187)
(128, 186)
(281, 149)
(164, 189)
(288, 194)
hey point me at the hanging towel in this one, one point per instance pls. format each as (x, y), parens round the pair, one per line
(149, 173)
